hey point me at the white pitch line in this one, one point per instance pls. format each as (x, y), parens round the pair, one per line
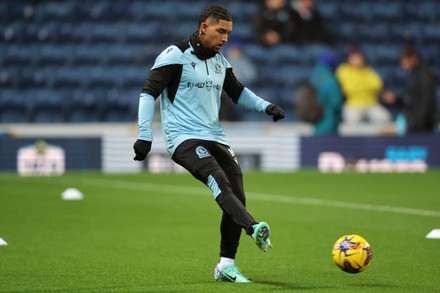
(199, 191)
(259, 196)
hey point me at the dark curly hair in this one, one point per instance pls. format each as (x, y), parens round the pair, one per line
(216, 11)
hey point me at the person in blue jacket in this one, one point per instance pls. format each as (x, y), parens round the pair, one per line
(189, 77)
(328, 92)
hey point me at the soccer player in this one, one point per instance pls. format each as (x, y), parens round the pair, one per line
(189, 77)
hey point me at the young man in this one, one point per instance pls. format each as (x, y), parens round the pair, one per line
(189, 78)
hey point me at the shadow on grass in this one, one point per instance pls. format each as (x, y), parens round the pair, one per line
(280, 286)
(292, 286)
(374, 285)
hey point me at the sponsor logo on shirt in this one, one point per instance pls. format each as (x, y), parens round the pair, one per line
(208, 84)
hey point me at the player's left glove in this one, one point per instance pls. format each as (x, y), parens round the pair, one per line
(141, 149)
(276, 112)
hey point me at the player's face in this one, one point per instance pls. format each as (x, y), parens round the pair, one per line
(214, 34)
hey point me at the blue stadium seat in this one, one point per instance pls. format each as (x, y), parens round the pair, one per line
(118, 11)
(361, 11)
(7, 80)
(345, 31)
(431, 54)
(242, 12)
(183, 11)
(310, 52)
(89, 55)
(380, 33)
(12, 10)
(413, 32)
(431, 33)
(53, 54)
(106, 33)
(287, 98)
(123, 55)
(59, 10)
(133, 77)
(141, 33)
(115, 108)
(66, 77)
(180, 32)
(13, 32)
(388, 11)
(81, 32)
(382, 54)
(329, 10)
(30, 77)
(45, 107)
(243, 32)
(13, 108)
(150, 12)
(83, 12)
(387, 73)
(131, 96)
(284, 76)
(81, 107)
(423, 11)
(18, 56)
(256, 52)
(285, 54)
(100, 77)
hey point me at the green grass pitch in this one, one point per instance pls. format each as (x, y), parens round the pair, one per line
(160, 233)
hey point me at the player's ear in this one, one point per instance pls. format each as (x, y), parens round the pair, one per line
(203, 27)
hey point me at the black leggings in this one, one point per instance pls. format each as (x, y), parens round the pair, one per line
(215, 165)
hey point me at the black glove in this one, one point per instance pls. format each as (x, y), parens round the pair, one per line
(276, 112)
(141, 149)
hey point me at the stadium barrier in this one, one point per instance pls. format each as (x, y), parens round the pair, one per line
(280, 147)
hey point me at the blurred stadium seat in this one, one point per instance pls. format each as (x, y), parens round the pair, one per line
(45, 106)
(12, 107)
(390, 11)
(80, 107)
(92, 57)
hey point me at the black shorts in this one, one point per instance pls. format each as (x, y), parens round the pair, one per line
(210, 161)
(215, 165)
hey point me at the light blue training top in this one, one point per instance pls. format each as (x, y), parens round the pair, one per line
(191, 111)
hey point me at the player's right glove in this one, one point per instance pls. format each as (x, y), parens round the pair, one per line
(276, 112)
(141, 149)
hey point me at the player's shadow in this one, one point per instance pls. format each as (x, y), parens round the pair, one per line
(291, 286)
(374, 285)
(280, 286)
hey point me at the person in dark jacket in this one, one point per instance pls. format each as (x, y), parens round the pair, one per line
(308, 23)
(419, 99)
(273, 23)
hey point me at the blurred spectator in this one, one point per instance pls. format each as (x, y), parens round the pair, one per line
(307, 22)
(361, 86)
(419, 100)
(328, 91)
(245, 70)
(274, 23)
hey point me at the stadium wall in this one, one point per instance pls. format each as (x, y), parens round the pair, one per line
(262, 146)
